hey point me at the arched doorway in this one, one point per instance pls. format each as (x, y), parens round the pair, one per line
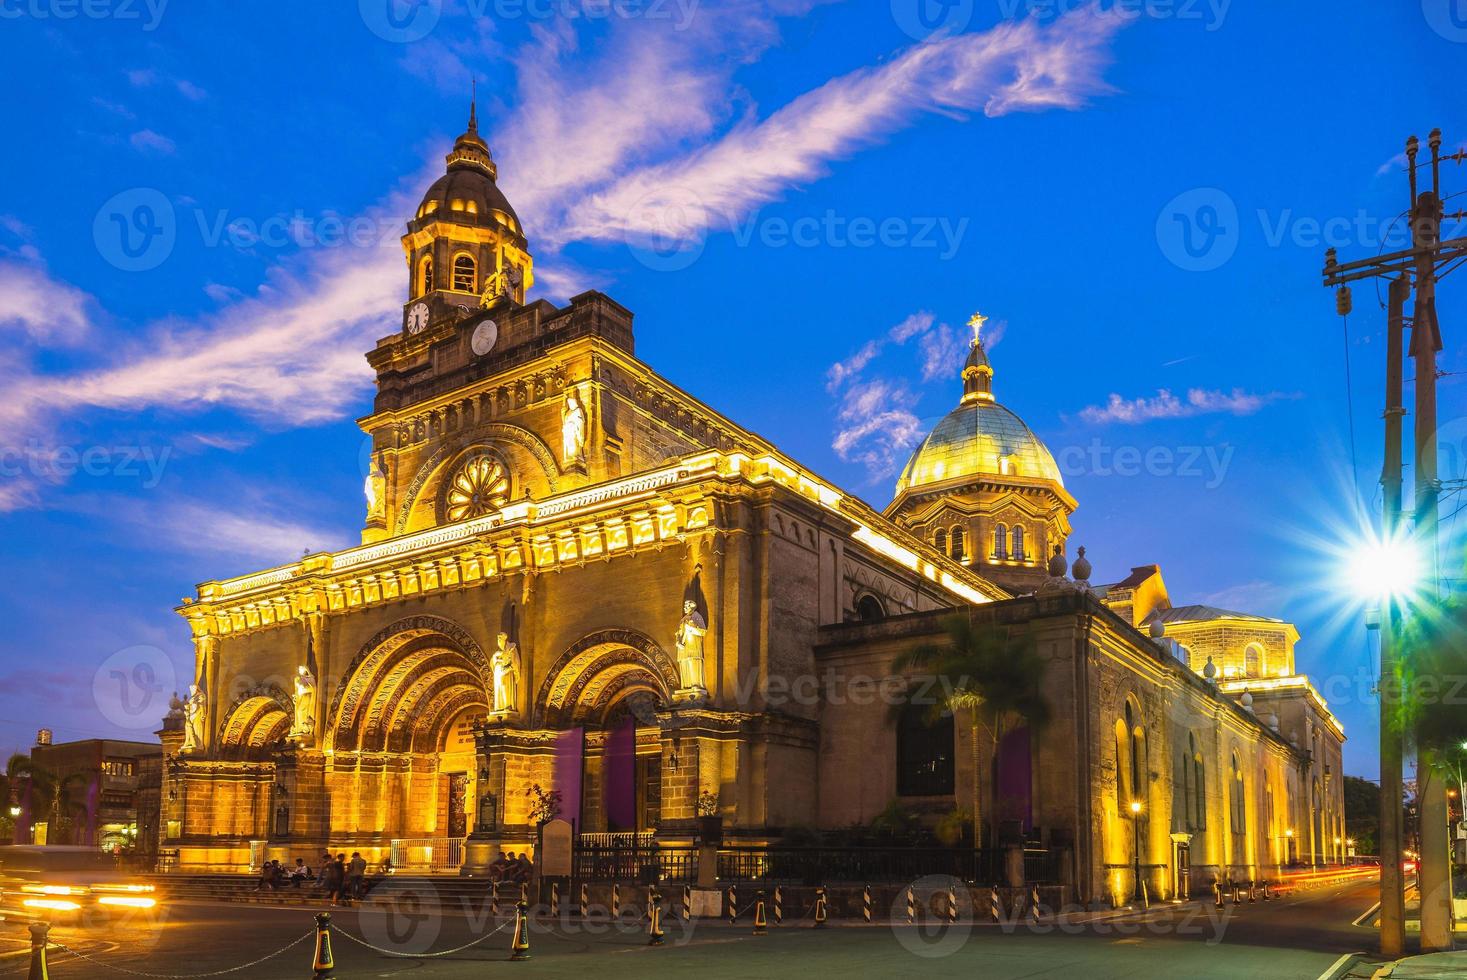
(399, 734)
(603, 694)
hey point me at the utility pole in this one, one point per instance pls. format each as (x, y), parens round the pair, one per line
(1422, 263)
(1392, 884)
(1426, 217)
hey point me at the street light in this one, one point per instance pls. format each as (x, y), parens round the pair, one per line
(1136, 847)
(1289, 845)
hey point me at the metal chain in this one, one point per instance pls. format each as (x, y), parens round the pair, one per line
(415, 956)
(183, 976)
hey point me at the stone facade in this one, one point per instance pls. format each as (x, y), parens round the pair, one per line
(546, 515)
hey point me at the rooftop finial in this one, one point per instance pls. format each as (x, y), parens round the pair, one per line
(473, 105)
(976, 321)
(977, 374)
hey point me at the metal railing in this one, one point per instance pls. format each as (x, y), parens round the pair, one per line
(432, 854)
(813, 865)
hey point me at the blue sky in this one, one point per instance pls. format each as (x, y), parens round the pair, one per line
(1137, 194)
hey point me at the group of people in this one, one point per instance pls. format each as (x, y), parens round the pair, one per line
(511, 870)
(338, 879)
(274, 875)
(343, 881)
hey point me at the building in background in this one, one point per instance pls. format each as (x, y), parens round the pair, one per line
(92, 792)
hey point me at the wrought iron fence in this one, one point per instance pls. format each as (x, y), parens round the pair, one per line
(813, 865)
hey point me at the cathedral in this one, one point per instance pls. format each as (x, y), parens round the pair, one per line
(581, 591)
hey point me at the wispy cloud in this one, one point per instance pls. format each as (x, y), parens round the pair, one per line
(290, 353)
(1015, 66)
(50, 312)
(147, 141)
(1166, 405)
(878, 427)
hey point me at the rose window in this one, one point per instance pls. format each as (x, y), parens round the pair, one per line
(480, 485)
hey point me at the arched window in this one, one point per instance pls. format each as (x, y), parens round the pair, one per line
(425, 276)
(1001, 541)
(869, 609)
(1238, 808)
(1016, 539)
(1199, 783)
(924, 753)
(1253, 660)
(463, 273)
(939, 540)
(1139, 780)
(1184, 785)
(1124, 786)
(959, 544)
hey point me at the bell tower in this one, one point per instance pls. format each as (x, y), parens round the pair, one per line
(465, 248)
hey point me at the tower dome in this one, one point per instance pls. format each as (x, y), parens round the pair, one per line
(980, 437)
(468, 193)
(983, 487)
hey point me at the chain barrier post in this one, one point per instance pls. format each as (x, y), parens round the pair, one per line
(585, 901)
(993, 907)
(733, 905)
(761, 923)
(323, 963)
(820, 910)
(778, 905)
(866, 904)
(687, 902)
(952, 904)
(911, 906)
(655, 935)
(615, 900)
(494, 899)
(555, 899)
(39, 932)
(519, 947)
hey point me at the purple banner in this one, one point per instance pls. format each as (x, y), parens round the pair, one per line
(570, 758)
(619, 776)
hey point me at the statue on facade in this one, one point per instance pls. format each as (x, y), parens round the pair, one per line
(375, 488)
(506, 667)
(193, 720)
(573, 429)
(690, 632)
(303, 729)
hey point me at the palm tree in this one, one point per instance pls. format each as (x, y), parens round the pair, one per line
(993, 675)
(26, 786)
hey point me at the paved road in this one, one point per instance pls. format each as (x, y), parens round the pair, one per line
(1295, 938)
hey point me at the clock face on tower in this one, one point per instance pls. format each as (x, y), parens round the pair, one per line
(417, 318)
(486, 335)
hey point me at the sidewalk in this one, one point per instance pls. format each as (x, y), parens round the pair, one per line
(1432, 966)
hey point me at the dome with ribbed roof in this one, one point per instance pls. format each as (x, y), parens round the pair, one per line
(978, 438)
(468, 192)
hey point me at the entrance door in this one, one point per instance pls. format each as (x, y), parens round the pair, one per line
(458, 790)
(1182, 872)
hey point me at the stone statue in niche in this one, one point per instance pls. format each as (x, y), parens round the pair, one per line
(690, 632)
(505, 665)
(303, 729)
(573, 429)
(375, 489)
(193, 720)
